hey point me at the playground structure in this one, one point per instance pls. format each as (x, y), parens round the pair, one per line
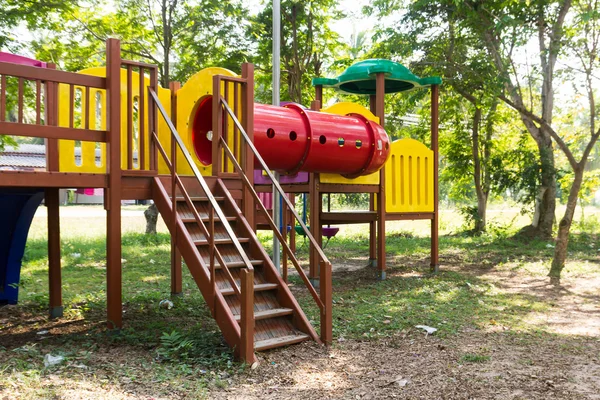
(195, 150)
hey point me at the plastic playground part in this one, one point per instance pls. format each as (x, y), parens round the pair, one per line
(409, 178)
(360, 78)
(18, 208)
(291, 139)
(15, 59)
(88, 162)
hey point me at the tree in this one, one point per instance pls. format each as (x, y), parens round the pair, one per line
(307, 45)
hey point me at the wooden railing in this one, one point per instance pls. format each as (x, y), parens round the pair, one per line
(246, 290)
(244, 170)
(140, 140)
(32, 93)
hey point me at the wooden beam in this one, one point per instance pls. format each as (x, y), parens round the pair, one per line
(176, 276)
(348, 217)
(113, 194)
(52, 179)
(54, 264)
(248, 206)
(380, 112)
(51, 132)
(435, 92)
(247, 316)
(52, 75)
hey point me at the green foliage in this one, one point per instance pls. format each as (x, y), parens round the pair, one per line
(174, 346)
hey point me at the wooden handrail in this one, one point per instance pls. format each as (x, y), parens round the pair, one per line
(214, 207)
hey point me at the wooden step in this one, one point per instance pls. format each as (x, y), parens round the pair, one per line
(204, 242)
(266, 344)
(199, 198)
(275, 312)
(207, 219)
(240, 264)
(259, 287)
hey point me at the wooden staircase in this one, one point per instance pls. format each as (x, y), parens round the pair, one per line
(278, 318)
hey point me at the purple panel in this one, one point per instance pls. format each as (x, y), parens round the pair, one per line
(300, 177)
(15, 59)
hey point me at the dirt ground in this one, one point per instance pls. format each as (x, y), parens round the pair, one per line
(408, 365)
(412, 365)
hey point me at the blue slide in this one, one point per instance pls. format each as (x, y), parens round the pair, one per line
(17, 207)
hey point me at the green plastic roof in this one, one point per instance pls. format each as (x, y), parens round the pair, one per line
(360, 78)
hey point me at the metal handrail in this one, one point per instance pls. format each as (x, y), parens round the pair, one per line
(275, 182)
(202, 182)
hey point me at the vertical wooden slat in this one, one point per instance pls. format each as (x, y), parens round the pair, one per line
(284, 224)
(51, 118)
(380, 108)
(20, 101)
(246, 155)
(113, 194)
(141, 122)
(87, 108)
(3, 98)
(435, 91)
(226, 122)
(247, 316)
(211, 255)
(38, 102)
(236, 101)
(153, 120)
(129, 119)
(217, 125)
(314, 197)
(319, 93)
(327, 299)
(54, 264)
(72, 109)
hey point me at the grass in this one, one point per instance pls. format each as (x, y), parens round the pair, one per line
(161, 350)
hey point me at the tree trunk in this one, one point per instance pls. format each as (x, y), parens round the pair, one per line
(477, 168)
(562, 239)
(545, 207)
(151, 215)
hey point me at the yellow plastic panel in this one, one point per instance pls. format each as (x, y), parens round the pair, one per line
(409, 177)
(97, 121)
(345, 108)
(189, 97)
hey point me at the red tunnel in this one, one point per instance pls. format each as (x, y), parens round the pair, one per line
(291, 139)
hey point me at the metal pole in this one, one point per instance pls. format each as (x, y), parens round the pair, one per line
(276, 80)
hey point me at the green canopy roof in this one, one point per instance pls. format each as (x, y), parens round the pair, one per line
(360, 78)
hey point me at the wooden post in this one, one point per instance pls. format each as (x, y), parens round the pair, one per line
(248, 206)
(319, 93)
(176, 285)
(247, 316)
(314, 224)
(327, 299)
(217, 125)
(54, 264)
(435, 92)
(380, 108)
(373, 224)
(112, 195)
(52, 204)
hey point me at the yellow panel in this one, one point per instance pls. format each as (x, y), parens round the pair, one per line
(189, 97)
(409, 177)
(97, 120)
(345, 108)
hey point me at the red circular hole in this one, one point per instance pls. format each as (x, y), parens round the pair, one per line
(270, 133)
(322, 139)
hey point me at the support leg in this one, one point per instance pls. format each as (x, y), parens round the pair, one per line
(176, 286)
(54, 265)
(372, 235)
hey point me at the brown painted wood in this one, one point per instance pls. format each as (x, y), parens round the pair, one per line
(52, 179)
(129, 118)
(341, 188)
(247, 316)
(217, 126)
(380, 198)
(373, 224)
(176, 277)
(113, 194)
(248, 202)
(348, 217)
(435, 91)
(51, 75)
(54, 263)
(408, 216)
(51, 117)
(266, 344)
(327, 299)
(51, 132)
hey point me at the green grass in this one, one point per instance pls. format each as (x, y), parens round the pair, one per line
(460, 298)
